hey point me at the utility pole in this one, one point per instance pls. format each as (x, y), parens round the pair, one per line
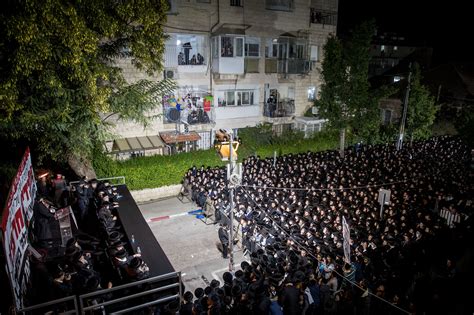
(404, 116)
(231, 187)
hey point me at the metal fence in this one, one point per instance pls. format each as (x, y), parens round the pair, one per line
(133, 296)
(67, 305)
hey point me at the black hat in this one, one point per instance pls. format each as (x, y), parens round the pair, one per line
(227, 277)
(207, 290)
(135, 262)
(70, 242)
(121, 254)
(188, 296)
(215, 283)
(236, 290)
(115, 236)
(92, 283)
(198, 293)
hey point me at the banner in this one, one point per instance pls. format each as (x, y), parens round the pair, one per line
(15, 221)
(346, 234)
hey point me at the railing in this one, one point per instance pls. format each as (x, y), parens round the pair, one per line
(190, 116)
(251, 65)
(110, 179)
(56, 306)
(290, 66)
(282, 109)
(90, 302)
(323, 17)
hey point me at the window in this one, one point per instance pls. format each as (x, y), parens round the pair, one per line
(312, 93)
(314, 53)
(382, 47)
(274, 50)
(190, 49)
(230, 98)
(252, 47)
(279, 5)
(227, 47)
(236, 98)
(387, 116)
(203, 1)
(236, 3)
(172, 7)
(239, 47)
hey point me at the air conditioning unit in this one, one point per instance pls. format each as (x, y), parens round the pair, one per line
(169, 74)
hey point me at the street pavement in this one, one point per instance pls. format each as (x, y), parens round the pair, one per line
(188, 242)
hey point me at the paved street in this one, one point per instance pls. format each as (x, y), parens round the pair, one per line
(189, 243)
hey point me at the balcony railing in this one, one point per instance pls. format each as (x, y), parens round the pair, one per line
(290, 66)
(323, 17)
(284, 108)
(251, 65)
(188, 116)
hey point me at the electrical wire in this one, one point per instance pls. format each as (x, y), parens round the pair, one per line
(310, 253)
(329, 189)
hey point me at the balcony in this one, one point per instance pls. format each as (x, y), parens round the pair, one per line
(287, 66)
(251, 65)
(188, 116)
(283, 108)
(323, 17)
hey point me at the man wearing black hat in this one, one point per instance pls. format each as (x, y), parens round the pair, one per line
(224, 239)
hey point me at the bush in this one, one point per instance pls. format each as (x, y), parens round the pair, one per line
(156, 171)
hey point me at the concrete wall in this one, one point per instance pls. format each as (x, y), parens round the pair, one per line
(155, 193)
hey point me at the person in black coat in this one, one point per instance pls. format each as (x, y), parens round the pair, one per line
(44, 215)
(224, 239)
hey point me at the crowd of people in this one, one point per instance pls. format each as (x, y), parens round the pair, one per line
(97, 254)
(409, 256)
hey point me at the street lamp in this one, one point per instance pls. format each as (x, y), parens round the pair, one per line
(226, 147)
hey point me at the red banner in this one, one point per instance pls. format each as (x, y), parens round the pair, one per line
(16, 217)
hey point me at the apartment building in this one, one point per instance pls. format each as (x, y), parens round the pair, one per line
(237, 63)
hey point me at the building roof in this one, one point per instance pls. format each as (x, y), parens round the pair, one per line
(171, 137)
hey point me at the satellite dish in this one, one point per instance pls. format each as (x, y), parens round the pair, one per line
(173, 115)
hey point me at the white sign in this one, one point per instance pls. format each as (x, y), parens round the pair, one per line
(346, 234)
(16, 219)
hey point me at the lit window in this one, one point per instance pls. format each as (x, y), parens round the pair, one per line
(396, 78)
(312, 93)
(382, 48)
(395, 48)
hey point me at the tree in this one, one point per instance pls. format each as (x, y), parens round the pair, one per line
(333, 90)
(346, 99)
(58, 75)
(421, 111)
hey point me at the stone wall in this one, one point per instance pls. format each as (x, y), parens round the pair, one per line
(155, 193)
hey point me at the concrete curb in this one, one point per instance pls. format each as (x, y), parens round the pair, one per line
(155, 193)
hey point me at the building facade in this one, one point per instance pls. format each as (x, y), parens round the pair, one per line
(238, 63)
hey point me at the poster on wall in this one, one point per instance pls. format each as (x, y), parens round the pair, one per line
(15, 222)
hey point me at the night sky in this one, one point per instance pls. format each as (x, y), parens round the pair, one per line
(447, 26)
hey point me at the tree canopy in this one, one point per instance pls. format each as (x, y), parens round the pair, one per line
(58, 74)
(346, 99)
(421, 110)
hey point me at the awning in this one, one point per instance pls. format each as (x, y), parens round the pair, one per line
(172, 137)
(231, 29)
(137, 144)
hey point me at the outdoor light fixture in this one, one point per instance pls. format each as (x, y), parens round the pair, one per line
(178, 42)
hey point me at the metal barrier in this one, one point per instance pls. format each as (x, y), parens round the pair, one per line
(93, 296)
(52, 305)
(122, 178)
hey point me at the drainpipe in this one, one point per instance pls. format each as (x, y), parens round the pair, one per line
(210, 44)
